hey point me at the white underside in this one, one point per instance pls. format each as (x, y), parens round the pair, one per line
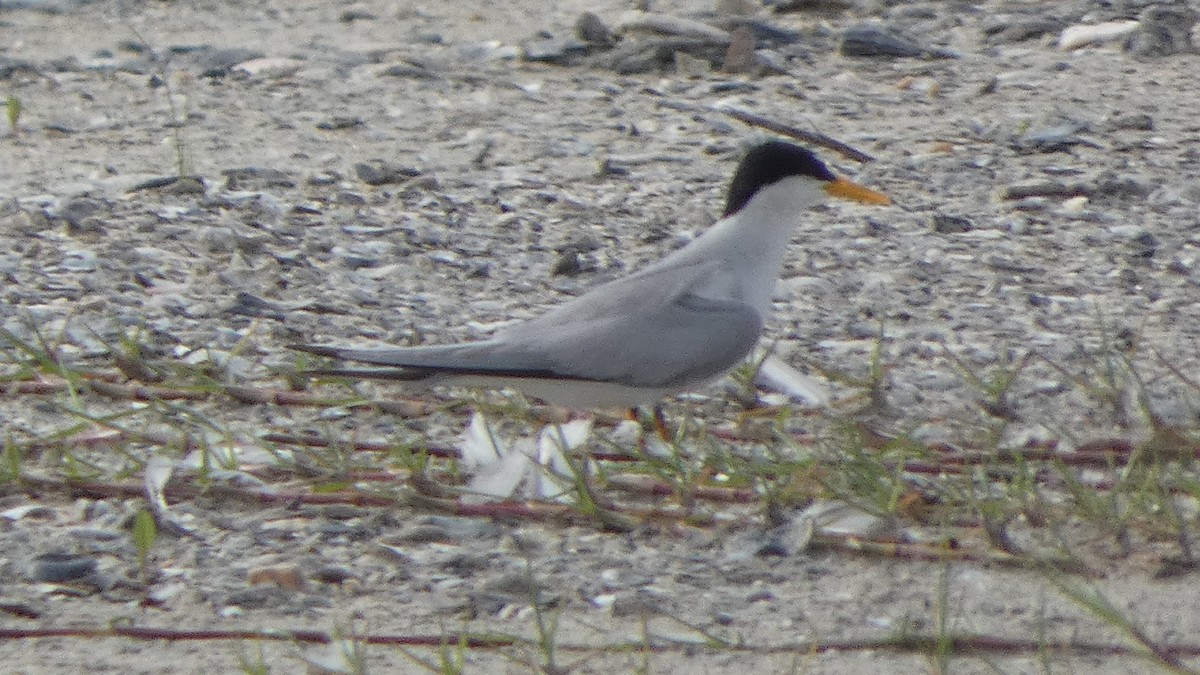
(574, 394)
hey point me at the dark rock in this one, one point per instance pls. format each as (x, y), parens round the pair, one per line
(1144, 246)
(256, 178)
(79, 211)
(1163, 30)
(1018, 29)
(45, 6)
(1131, 121)
(383, 172)
(260, 597)
(1119, 187)
(592, 30)
(878, 41)
(352, 15)
(185, 185)
(248, 304)
(333, 574)
(1051, 139)
(340, 123)
(410, 70)
(948, 224)
(1044, 188)
(765, 35)
(60, 567)
(218, 62)
(815, 6)
(658, 54)
(559, 51)
(171, 185)
(10, 66)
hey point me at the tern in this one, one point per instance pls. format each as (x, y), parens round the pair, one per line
(674, 326)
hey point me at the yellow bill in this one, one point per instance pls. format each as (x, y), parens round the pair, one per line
(848, 189)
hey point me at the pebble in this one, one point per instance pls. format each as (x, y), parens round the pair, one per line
(642, 602)
(333, 574)
(842, 519)
(62, 567)
(256, 178)
(788, 539)
(951, 224)
(410, 70)
(1162, 30)
(872, 40)
(491, 50)
(268, 67)
(341, 123)
(592, 30)
(382, 172)
(1050, 139)
(1074, 37)
(260, 597)
(1009, 29)
(38, 511)
(1130, 121)
(285, 576)
(637, 21)
(556, 50)
(214, 62)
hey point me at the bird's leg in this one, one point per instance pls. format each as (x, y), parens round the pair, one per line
(660, 422)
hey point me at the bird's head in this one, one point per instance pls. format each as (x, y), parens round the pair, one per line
(777, 163)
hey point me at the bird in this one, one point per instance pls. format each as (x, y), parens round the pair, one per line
(676, 325)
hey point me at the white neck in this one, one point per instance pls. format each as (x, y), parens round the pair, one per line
(754, 240)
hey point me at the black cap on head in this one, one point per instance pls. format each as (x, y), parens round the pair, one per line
(769, 163)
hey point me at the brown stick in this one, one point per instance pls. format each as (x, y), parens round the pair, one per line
(799, 134)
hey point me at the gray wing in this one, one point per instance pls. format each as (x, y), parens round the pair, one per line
(671, 328)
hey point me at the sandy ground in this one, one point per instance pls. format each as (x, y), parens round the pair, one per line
(505, 181)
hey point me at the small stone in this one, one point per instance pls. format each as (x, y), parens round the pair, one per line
(1162, 31)
(410, 70)
(38, 511)
(569, 264)
(948, 224)
(739, 56)
(1010, 29)
(788, 539)
(641, 602)
(62, 567)
(260, 597)
(637, 21)
(592, 30)
(21, 609)
(383, 172)
(1074, 37)
(1050, 139)
(285, 576)
(333, 574)
(185, 185)
(356, 14)
(256, 178)
(268, 67)
(219, 62)
(842, 519)
(559, 51)
(1144, 245)
(1131, 121)
(1043, 188)
(877, 41)
(340, 123)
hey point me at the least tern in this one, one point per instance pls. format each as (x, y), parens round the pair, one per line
(674, 326)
